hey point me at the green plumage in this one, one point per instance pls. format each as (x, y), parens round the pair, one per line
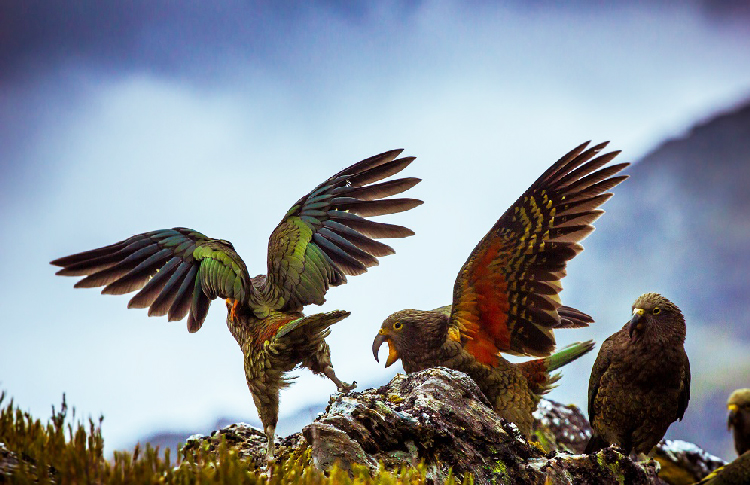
(320, 240)
(567, 355)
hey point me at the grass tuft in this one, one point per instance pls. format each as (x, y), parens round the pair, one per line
(67, 451)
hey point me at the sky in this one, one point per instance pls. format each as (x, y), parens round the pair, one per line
(117, 119)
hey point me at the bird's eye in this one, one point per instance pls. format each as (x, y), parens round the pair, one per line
(398, 326)
(656, 311)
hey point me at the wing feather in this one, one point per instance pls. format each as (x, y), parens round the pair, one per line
(178, 272)
(506, 296)
(326, 236)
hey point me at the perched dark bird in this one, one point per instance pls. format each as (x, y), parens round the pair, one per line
(505, 298)
(640, 382)
(738, 421)
(321, 239)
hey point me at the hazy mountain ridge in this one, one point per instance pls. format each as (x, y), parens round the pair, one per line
(687, 202)
(688, 197)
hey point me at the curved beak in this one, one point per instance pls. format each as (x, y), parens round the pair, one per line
(635, 324)
(380, 338)
(732, 415)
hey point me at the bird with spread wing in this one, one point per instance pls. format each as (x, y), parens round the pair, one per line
(322, 238)
(505, 298)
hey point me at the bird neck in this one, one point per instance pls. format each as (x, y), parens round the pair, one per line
(447, 355)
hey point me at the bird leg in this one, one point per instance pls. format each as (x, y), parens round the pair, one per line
(342, 386)
(270, 431)
(320, 363)
(265, 391)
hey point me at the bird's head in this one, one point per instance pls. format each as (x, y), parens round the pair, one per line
(738, 406)
(655, 315)
(410, 331)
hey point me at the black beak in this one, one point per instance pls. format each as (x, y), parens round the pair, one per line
(379, 340)
(635, 323)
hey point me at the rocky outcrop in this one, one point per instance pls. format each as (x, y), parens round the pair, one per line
(8, 462)
(684, 463)
(439, 417)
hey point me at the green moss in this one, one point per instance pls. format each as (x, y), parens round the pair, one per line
(541, 443)
(613, 467)
(501, 470)
(66, 451)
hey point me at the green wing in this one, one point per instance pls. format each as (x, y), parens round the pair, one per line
(178, 271)
(325, 235)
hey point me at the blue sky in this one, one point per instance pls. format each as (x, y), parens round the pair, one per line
(121, 119)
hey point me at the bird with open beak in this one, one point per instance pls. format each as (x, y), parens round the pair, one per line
(505, 297)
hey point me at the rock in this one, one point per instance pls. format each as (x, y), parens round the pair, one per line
(736, 472)
(8, 462)
(330, 445)
(564, 428)
(684, 463)
(248, 442)
(21, 468)
(561, 427)
(440, 417)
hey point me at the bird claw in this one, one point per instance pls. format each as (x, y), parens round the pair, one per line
(344, 387)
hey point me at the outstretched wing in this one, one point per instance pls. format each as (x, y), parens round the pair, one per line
(176, 270)
(506, 295)
(324, 236)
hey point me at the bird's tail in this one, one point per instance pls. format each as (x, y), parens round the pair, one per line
(538, 372)
(306, 331)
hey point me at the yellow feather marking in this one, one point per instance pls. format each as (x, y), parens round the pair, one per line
(454, 334)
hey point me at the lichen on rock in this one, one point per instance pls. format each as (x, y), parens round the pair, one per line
(440, 419)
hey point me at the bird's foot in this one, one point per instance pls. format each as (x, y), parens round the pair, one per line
(270, 436)
(340, 385)
(344, 387)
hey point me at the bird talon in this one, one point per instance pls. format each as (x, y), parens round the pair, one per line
(344, 387)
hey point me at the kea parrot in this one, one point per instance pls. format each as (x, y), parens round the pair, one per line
(505, 298)
(322, 238)
(738, 420)
(640, 382)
